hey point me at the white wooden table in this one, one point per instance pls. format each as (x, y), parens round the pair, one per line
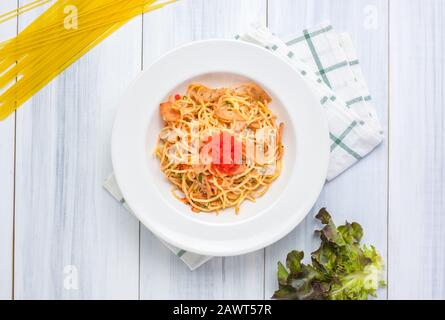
(62, 236)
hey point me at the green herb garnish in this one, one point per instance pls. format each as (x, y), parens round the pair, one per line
(341, 269)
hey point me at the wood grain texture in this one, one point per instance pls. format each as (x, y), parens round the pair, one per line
(7, 30)
(359, 194)
(417, 150)
(163, 275)
(64, 217)
(67, 226)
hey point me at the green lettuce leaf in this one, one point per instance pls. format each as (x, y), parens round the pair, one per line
(341, 268)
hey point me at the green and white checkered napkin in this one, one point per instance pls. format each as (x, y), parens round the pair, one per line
(328, 61)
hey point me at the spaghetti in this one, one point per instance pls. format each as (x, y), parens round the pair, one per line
(25, 8)
(47, 46)
(219, 147)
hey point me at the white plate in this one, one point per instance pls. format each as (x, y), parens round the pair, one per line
(147, 191)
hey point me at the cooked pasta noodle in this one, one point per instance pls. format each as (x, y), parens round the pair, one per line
(205, 147)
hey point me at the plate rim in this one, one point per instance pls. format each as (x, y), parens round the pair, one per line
(284, 231)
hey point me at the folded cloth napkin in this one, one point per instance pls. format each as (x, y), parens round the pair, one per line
(192, 260)
(328, 61)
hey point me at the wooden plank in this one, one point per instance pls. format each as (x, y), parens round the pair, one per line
(417, 150)
(163, 276)
(7, 30)
(360, 194)
(72, 239)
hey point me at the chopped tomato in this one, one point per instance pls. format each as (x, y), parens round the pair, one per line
(177, 97)
(226, 165)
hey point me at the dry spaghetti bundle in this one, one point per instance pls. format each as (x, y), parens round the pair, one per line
(57, 38)
(25, 8)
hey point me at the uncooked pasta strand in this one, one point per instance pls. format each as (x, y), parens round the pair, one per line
(22, 46)
(88, 18)
(34, 65)
(17, 56)
(25, 8)
(72, 49)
